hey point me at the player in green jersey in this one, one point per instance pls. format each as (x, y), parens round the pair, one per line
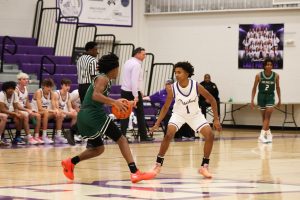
(267, 81)
(93, 122)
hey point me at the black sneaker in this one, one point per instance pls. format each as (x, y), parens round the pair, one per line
(70, 137)
(147, 139)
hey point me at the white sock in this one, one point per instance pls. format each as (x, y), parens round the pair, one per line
(44, 133)
(36, 135)
(58, 132)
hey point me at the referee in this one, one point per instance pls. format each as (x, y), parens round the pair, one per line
(87, 68)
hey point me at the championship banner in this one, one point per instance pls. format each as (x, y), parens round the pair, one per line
(99, 12)
(258, 42)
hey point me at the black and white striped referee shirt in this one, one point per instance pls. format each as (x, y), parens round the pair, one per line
(86, 68)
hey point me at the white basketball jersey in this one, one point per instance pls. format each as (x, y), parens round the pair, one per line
(9, 103)
(22, 96)
(46, 101)
(62, 104)
(74, 97)
(186, 104)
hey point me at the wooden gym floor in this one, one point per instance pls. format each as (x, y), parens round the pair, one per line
(242, 169)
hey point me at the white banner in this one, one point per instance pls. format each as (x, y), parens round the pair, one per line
(100, 12)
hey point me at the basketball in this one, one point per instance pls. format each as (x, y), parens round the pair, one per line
(122, 114)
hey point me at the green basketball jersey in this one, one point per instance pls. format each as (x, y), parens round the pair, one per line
(267, 84)
(92, 119)
(88, 101)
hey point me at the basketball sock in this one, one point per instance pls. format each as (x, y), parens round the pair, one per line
(205, 161)
(58, 133)
(44, 133)
(75, 160)
(132, 167)
(160, 160)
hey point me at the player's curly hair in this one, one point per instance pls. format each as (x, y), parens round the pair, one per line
(108, 62)
(8, 85)
(186, 66)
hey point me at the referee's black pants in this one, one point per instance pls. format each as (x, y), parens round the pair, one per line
(142, 131)
(82, 89)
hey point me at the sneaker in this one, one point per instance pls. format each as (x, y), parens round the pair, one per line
(146, 139)
(69, 136)
(204, 172)
(78, 138)
(68, 168)
(139, 176)
(31, 140)
(269, 136)
(18, 141)
(263, 138)
(60, 140)
(5, 140)
(39, 140)
(47, 140)
(2, 143)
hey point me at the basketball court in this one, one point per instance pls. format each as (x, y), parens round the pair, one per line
(242, 169)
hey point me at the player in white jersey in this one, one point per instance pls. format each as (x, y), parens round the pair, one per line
(63, 103)
(43, 102)
(22, 93)
(76, 104)
(186, 110)
(3, 120)
(9, 104)
(75, 100)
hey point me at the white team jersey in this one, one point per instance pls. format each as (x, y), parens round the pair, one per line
(74, 97)
(186, 104)
(46, 101)
(22, 96)
(63, 103)
(9, 103)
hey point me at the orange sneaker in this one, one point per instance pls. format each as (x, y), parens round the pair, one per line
(139, 176)
(204, 172)
(68, 168)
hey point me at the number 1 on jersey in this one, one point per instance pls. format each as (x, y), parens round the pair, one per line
(187, 110)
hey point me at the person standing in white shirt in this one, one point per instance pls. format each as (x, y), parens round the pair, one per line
(131, 89)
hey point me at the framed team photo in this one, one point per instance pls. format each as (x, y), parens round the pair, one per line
(258, 42)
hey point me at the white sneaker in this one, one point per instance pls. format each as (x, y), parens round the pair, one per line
(269, 136)
(60, 140)
(77, 138)
(47, 140)
(263, 137)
